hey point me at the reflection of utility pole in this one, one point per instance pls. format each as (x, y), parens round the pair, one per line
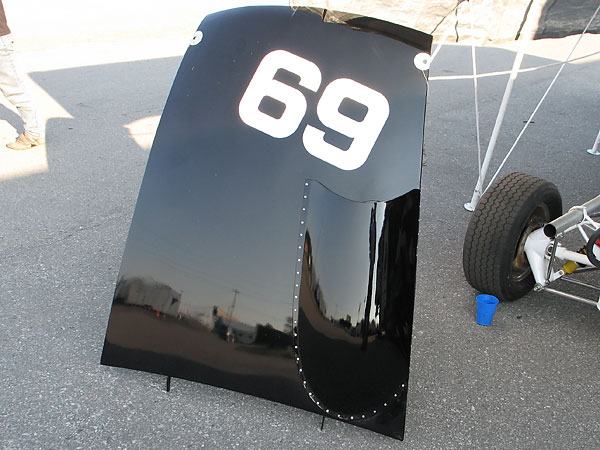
(372, 249)
(235, 293)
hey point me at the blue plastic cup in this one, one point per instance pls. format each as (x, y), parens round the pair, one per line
(486, 307)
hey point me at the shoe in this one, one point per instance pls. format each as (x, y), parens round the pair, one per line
(26, 141)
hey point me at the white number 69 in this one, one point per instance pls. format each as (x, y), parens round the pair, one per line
(363, 133)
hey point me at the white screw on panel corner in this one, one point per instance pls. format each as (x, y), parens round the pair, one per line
(263, 85)
(196, 38)
(364, 133)
(422, 61)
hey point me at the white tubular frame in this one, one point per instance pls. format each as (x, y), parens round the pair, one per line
(542, 251)
(478, 192)
(595, 150)
(525, 38)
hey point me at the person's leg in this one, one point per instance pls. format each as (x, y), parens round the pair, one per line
(14, 89)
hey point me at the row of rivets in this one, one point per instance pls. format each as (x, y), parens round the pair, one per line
(298, 281)
(299, 257)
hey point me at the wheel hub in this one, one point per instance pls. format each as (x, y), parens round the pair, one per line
(520, 265)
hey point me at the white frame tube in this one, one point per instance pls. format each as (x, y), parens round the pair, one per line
(568, 255)
(478, 192)
(594, 150)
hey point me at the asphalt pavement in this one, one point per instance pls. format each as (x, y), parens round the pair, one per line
(528, 381)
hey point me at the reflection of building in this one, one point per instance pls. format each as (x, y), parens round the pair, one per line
(149, 294)
(200, 317)
(241, 332)
(231, 329)
(269, 336)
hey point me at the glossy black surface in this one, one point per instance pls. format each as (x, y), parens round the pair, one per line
(219, 280)
(356, 307)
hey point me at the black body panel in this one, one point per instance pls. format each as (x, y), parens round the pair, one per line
(284, 176)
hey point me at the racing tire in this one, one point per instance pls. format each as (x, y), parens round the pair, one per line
(494, 260)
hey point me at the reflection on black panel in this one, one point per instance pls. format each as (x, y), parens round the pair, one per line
(356, 304)
(219, 282)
